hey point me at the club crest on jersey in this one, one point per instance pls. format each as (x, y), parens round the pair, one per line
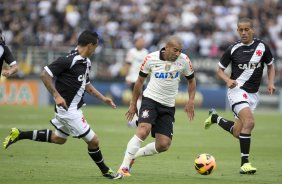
(145, 114)
(167, 67)
(245, 96)
(166, 75)
(249, 66)
(258, 52)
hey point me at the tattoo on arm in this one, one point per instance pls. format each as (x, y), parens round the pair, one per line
(48, 82)
(93, 92)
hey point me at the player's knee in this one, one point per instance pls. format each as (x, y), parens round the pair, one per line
(162, 146)
(58, 140)
(143, 130)
(236, 131)
(249, 124)
(94, 143)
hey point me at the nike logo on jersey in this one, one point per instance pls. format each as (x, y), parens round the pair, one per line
(166, 75)
(249, 66)
(157, 66)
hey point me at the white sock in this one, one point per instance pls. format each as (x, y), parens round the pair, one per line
(148, 150)
(132, 147)
(218, 119)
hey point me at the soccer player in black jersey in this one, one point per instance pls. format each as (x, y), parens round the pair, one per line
(247, 58)
(6, 55)
(71, 74)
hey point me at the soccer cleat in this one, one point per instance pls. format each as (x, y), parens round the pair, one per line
(12, 138)
(247, 168)
(124, 171)
(112, 175)
(208, 121)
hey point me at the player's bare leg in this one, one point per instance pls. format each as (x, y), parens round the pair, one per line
(247, 119)
(237, 128)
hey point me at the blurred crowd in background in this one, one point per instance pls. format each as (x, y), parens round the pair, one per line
(207, 27)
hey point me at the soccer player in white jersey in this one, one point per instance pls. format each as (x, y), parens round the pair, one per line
(247, 58)
(157, 110)
(134, 59)
(72, 81)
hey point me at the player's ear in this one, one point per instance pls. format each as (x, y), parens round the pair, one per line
(89, 45)
(253, 31)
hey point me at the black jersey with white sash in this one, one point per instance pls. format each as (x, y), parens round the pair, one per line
(6, 55)
(71, 74)
(247, 63)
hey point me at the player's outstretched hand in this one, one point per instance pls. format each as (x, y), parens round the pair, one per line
(231, 83)
(6, 73)
(189, 109)
(131, 112)
(271, 88)
(110, 102)
(60, 101)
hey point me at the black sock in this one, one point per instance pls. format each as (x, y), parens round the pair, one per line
(245, 143)
(223, 123)
(97, 157)
(37, 135)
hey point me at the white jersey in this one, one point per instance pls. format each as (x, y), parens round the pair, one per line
(165, 77)
(135, 58)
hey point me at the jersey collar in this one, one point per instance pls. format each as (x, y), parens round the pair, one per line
(248, 44)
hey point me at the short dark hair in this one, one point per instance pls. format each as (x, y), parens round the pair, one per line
(245, 20)
(87, 37)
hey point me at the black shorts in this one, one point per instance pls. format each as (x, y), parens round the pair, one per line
(161, 117)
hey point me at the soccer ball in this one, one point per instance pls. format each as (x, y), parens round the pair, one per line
(205, 164)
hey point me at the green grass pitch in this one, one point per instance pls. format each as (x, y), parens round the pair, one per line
(29, 162)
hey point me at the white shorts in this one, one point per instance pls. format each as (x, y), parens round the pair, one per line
(239, 99)
(72, 122)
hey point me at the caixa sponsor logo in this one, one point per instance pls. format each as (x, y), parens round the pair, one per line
(249, 66)
(81, 77)
(166, 75)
